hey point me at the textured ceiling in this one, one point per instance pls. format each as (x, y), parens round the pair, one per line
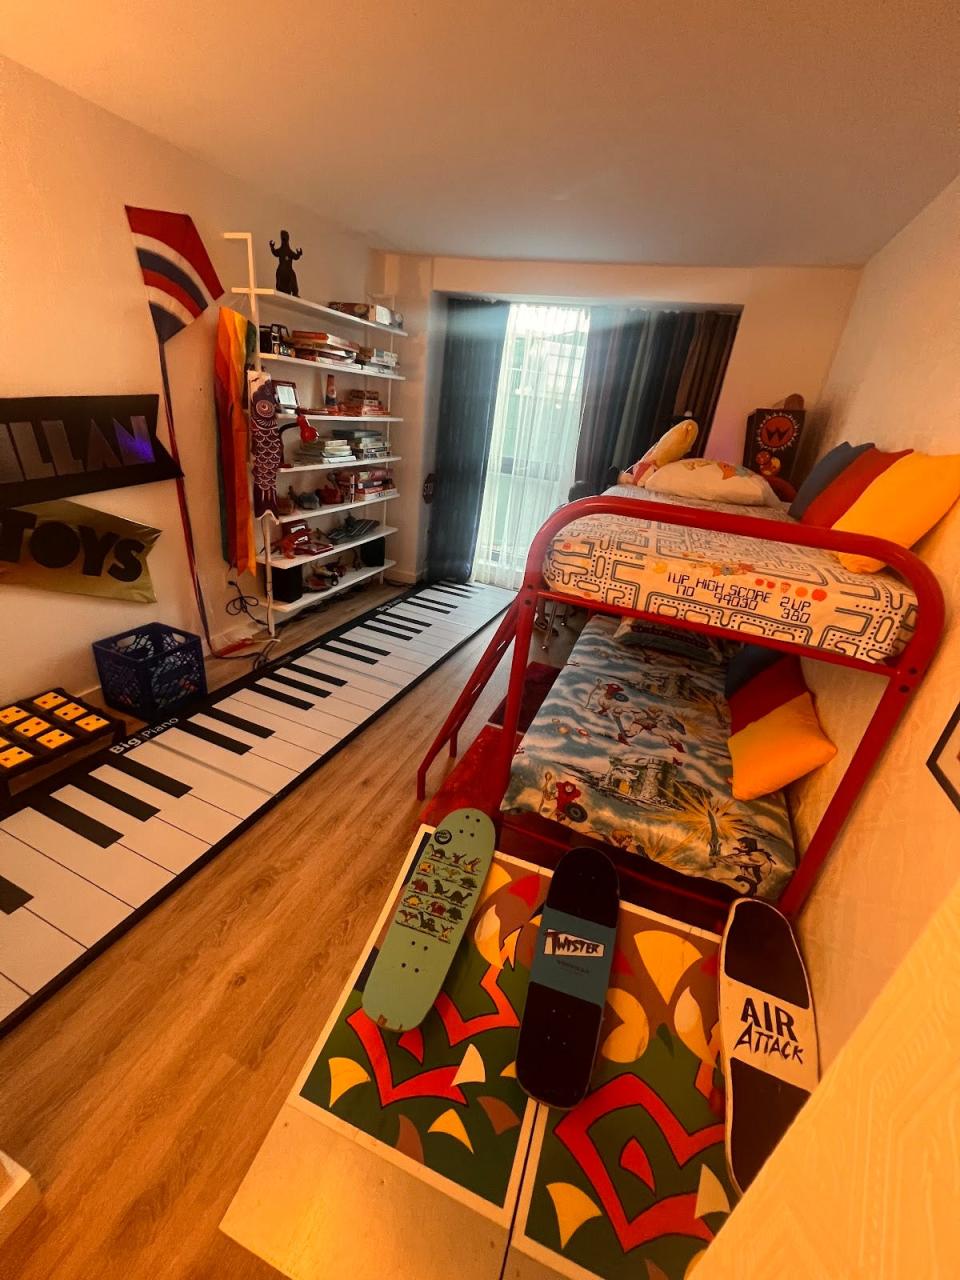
(783, 132)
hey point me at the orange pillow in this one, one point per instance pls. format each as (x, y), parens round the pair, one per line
(902, 504)
(843, 491)
(776, 736)
(781, 747)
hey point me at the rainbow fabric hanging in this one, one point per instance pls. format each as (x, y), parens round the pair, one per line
(236, 338)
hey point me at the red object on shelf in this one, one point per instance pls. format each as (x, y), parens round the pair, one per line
(533, 836)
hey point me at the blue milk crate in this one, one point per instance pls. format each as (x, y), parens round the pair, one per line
(150, 670)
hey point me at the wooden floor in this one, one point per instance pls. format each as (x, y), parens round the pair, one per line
(139, 1094)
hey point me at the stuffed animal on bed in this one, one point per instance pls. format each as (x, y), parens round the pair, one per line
(672, 445)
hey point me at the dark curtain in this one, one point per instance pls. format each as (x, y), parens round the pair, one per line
(612, 344)
(643, 371)
(657, 370)
(468, 394)
(703, 373)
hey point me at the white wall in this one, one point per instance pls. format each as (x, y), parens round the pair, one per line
(790, 324)
(896, 381)
(74, 321)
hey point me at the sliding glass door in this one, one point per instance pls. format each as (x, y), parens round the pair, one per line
(534, 440)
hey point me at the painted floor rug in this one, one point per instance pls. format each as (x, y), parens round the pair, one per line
(84, 858)
(630, 1183)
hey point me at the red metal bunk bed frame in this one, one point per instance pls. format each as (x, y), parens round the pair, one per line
(694, 898)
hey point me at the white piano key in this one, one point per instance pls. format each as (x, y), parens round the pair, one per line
(419, 642)
(236, 797)
(430, 625)
(391, 655)
(154, 839)
(33, 952)
(11, 996)
(295, 758)
(188, 813)
(318, 716)
(375, 692)
(116, 869)
(60, 897)
(287, 730)
(263, 774)
(338, 663)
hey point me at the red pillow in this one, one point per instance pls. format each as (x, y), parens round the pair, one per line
(768, 689)
(840, 494)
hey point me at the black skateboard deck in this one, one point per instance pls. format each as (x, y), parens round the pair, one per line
(432, 914)
(768, 1034)
(560, 1028)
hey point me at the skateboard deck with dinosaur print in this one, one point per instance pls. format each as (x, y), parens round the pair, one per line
(431, 918)
(768, 1034)
(560, 1029)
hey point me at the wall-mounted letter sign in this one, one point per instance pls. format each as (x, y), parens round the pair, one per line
(58, 446)
(62, 546)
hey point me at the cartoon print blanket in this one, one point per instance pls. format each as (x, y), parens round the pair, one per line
(630, 746)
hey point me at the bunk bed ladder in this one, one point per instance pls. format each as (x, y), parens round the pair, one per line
(502, 639)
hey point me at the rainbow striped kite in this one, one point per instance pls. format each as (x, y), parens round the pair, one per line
(179, 276)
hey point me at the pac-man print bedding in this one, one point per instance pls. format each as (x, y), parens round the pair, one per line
(771, 589)
(630, 747)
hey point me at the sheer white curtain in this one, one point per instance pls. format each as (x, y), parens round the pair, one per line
(534, 442)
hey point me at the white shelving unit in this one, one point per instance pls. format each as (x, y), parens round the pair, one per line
(305, 307)
(352, 375)
(381, 531)
(332, 365)
(337, 466)
(350, 579)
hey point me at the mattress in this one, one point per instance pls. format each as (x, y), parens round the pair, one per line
(770, 589)
(630, 746)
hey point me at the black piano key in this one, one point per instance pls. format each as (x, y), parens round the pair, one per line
(77, 822)
(399, 621)
(215, 739)
(12, 897)
(119, 799)
(152, 778)
(321, 675)
(312, 675)
(420, 604)
(350, 653)
(299, 684)
(388, 631)
(450, 591)
(417, 624)
(277, 696)
(238, 722)
(367, 648)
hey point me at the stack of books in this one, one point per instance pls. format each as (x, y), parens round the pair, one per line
(365, 443)
(364, 404)
(311, 345)
(378, 360)
(326, 451)
(371, 485)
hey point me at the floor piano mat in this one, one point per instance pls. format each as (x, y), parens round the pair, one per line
(89, 853)
(459, 1164)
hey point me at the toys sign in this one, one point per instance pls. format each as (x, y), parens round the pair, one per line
(58, 446)
(63, 546)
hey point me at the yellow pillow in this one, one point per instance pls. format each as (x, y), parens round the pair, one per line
(902, 504)
(672, 445)
(780, 747)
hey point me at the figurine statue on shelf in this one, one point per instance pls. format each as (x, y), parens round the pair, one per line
(286, 276)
